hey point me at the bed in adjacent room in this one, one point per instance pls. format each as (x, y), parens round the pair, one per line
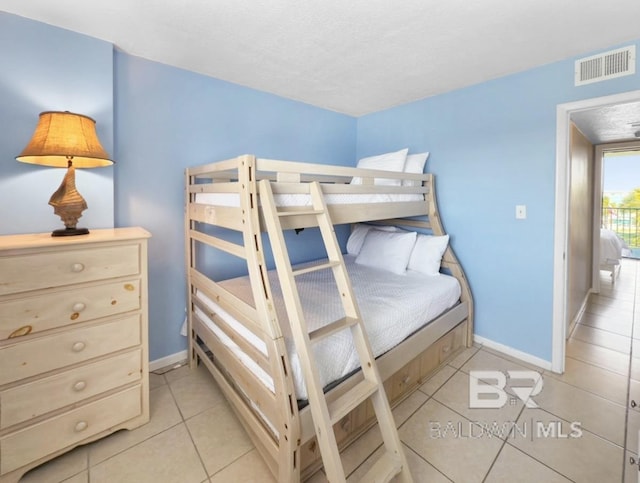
(612, 249)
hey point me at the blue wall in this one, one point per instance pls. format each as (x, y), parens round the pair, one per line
(493, 146)
(45, 68)
(168, 119)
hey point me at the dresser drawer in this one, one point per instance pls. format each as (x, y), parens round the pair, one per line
(31, 357)
(50, 393)
(34, 442)
(55, 309)
(21, 273)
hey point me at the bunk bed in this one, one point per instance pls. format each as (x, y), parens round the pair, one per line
(237, 327)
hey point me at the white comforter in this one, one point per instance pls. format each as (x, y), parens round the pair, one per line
(611, 247)
(392, 306)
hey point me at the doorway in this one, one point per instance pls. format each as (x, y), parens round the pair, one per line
(564, 113)
(616, 209)
(621, 195)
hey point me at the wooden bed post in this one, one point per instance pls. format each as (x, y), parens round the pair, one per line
(288, 427)
(189, 252)
(449, 258)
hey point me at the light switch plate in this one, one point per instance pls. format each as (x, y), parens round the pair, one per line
(521, 212)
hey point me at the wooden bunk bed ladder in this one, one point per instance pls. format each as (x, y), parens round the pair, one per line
(326, 414)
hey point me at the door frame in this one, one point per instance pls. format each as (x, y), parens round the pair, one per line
(561, 223)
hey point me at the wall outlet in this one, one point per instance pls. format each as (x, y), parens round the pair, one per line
(521, 212)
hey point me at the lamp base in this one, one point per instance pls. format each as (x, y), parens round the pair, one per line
(70, 232)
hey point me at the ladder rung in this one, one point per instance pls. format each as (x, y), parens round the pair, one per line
(349, 400)
(332, 328)
(384, 469)
(300, 213)
(322, 266)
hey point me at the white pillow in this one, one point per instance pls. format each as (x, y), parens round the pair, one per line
(414, 164)
(359, 232)
(387, 250)
(389, 162)
(427, 254)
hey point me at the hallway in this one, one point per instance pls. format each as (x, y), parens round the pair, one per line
(603, 357)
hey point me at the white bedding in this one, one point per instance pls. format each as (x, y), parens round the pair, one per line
(611, 247)
(392, 306)
(233, 199)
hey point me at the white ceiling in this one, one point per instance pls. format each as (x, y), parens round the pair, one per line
(350, 56)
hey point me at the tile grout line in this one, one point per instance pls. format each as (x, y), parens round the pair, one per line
(599, 345)
(425, 460)
(225, 466)
(537, 460)
(429, 397)
(583, 429)
(195, 446)
(606, 330)
(504, 442)
(399, 426)
(600, 365)
(626, 419)
(89, 465)
(550, 374)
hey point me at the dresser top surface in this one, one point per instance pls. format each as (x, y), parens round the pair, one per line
(37, 240)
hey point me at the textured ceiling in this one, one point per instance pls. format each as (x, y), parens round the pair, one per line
(356, 56)
(609, 124)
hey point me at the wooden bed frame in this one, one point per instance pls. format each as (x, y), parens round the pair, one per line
(607, 264)
(613, 269)
(287, 442)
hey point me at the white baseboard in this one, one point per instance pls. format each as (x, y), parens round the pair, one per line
(579, 314)
(510, 351)
(168, 360)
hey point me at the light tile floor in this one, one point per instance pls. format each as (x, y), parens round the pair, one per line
(193, 436)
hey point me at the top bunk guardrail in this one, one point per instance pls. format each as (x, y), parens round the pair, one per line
(221, 193)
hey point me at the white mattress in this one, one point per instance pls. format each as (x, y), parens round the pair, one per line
(392, 306)
(233, 199)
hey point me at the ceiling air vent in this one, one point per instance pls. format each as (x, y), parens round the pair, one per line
(608, 65)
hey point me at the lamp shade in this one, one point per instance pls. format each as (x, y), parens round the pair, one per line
(61, 137)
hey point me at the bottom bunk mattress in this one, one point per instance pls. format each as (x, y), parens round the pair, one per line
(392, 307)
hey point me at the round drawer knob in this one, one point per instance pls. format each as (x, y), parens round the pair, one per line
(77, 267)
(78, 346)
(79, 386)
(81, 426)
(79, 307)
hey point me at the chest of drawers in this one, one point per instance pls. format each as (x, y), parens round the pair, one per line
(73, 342)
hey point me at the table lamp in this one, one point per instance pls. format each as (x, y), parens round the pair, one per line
(66, 140)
